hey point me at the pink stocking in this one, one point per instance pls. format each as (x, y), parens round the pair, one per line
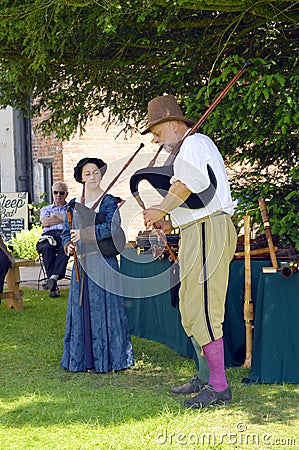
(214, 352)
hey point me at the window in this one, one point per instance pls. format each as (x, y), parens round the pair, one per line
(46, 184)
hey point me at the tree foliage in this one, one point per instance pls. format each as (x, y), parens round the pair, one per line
(75, 59)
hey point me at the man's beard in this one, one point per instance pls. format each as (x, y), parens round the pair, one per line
(168, 147)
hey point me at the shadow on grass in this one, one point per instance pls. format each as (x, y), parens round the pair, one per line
(35, 391)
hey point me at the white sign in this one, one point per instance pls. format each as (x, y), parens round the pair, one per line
(13, 213)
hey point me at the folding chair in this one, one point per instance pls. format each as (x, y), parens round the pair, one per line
(42, 276)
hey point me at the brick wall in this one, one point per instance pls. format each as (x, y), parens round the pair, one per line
(47, 147)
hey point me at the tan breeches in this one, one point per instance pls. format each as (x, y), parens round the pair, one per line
(206, 249)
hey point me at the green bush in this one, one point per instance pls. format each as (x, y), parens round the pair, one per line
(24, 242)
(36, 207)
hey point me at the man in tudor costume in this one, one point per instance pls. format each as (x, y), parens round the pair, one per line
(208, 243)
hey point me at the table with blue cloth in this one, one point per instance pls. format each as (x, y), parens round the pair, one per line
(152, 316)
(275, 352)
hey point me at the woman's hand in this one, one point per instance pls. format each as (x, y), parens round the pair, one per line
(70, 249)
(75, 236)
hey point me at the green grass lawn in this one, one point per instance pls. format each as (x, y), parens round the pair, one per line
(45, 407)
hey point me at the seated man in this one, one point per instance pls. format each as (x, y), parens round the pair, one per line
(6, 261)
(50, 245)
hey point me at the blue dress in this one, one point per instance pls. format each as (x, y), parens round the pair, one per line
(97, 334)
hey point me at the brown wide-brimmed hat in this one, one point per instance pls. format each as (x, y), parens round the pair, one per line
(164, 109)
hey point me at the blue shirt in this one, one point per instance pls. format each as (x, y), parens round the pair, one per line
(46, 211)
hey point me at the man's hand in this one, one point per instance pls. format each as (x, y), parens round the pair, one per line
(164, 225)
(152, 215)
(53, 219)
(177, 194)
(58, 217)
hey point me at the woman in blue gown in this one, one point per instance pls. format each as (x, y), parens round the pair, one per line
(97, 337)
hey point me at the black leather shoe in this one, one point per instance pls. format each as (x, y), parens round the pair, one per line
(54, 290)
(54, 293)
(191, 387)
(50, 284)
(207, 397)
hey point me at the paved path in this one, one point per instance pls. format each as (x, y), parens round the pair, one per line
(29, 277)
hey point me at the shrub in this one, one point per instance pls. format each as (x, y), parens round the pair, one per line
(36, 207)
(24, 242)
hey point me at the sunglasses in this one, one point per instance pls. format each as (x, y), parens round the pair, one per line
(58, 192)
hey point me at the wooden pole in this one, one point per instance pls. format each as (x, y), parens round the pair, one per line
(255, 252)
(210, 109)
(70, 221)
(248, 305)
(268, 233)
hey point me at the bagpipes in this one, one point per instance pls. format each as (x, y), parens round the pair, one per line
(151, 242)
(159, 177)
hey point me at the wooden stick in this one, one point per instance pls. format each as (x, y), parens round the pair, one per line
(173, 256)
(210, 109)
(255, 252)
(152, 162)
(248, 305)
(70, 221)
(118, 175)
(265, 218)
